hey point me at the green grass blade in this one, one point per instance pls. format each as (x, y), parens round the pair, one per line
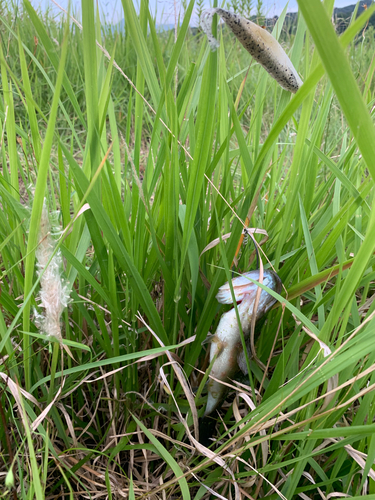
(38, 204)
(337, 67)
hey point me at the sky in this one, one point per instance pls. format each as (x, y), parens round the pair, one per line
(112, 9)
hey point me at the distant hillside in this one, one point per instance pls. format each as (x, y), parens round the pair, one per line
(341, 17)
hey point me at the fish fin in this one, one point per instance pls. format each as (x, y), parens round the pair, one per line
(241, 359)
(207, 340)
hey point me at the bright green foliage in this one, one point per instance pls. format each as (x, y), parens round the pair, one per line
(152, 148)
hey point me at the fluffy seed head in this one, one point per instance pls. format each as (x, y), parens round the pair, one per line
(54, 292)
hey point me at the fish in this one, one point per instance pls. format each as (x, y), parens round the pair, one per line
(226, 344)
(261, 45)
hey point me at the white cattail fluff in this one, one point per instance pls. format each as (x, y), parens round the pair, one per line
(54, 292)
(261, 45)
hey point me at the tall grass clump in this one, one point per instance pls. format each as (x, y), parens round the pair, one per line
(156, 153)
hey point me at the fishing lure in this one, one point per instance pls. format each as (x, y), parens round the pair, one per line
(226, 343)
(261, 45)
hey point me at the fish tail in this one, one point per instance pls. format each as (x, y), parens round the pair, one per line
(212, 403)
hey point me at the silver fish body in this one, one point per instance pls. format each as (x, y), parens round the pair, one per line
(226, 343)
(261, 45)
